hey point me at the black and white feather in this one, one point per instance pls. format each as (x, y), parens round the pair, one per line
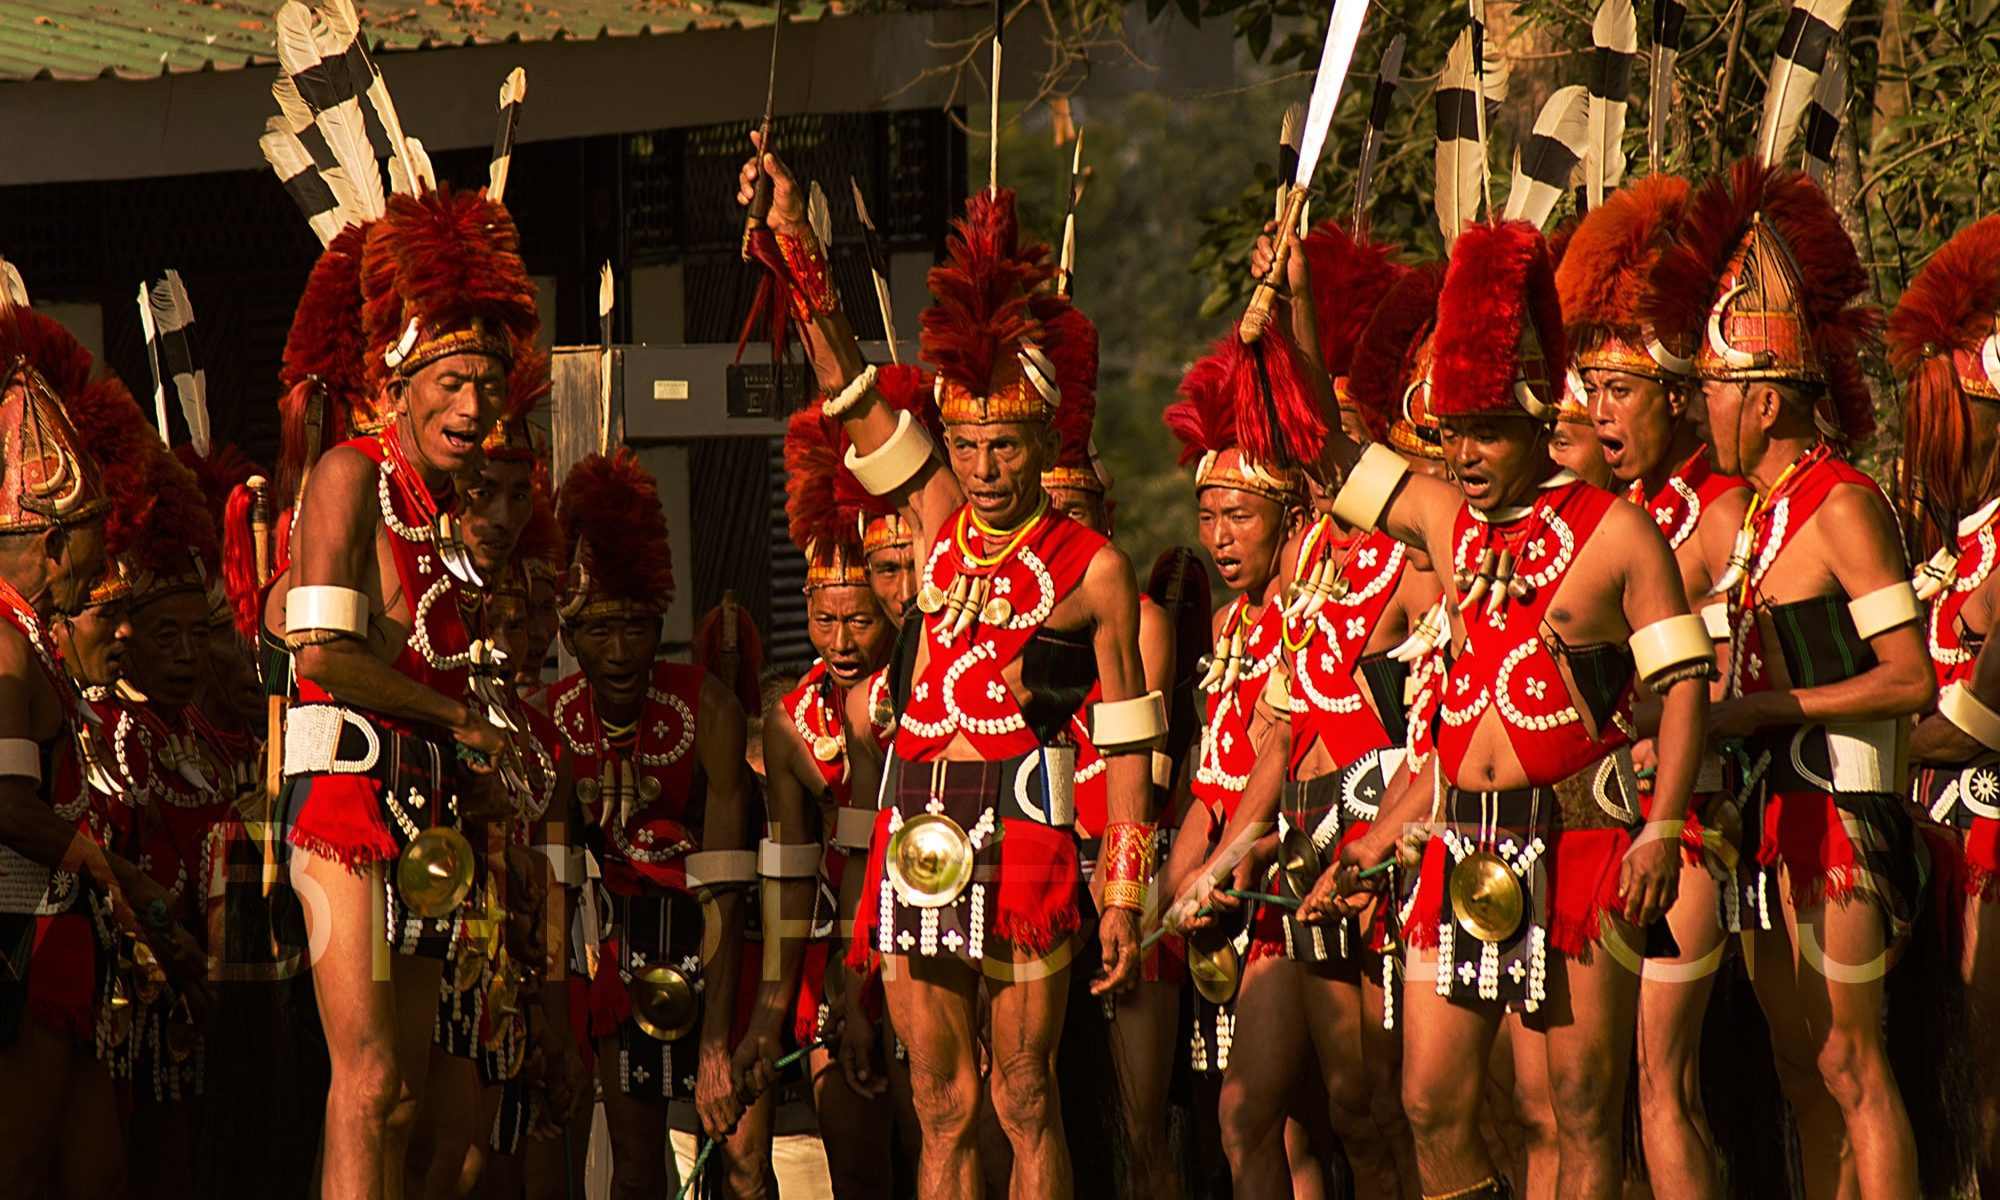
(167, 316)
(303, 179)
(1543, 166)
(331, 91)
(1823, 117)
(513, 91)
(1811, 33)
(1461, 135)
(345, 23)
(1614, 34)
(1288, 153)
(1669, 18)
(13, 289)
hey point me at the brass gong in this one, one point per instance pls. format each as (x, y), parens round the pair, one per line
(929, 860)
(1216, 973)
(435, 872)
(1299, 863)
(664, 1003)
(1486, 897)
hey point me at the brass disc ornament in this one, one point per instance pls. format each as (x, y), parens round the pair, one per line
(1486, 896)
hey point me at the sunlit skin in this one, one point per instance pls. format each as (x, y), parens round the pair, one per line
(848, 631)
(93, 642)
(169, 644)
(1498, 460)
(1574, 445)
(449, 407)
(999, 468)
(496, 498)
(1637, 420)
(892, 576)
(615, 650)
(1244, 534)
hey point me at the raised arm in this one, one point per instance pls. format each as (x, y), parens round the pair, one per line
(892, 455)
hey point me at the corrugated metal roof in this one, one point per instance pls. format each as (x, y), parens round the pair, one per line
(143, 39)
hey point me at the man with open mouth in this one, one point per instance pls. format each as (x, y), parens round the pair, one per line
(654, 753)
(973, 871)
(817, 827)
(1640, 384)
(1534, 866)
(401, 345)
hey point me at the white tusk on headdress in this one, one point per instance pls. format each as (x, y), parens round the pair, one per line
(1989, 358)
(1530, 404)
(1657, 350)
(1741, 360)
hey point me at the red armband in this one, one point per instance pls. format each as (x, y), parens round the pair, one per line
(1126, 864)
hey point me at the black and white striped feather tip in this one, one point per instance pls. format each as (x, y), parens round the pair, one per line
(1543, 166)
(1823, 117)
(169, 320)
(1614, 35)
(1669, 18)
(513, 91)
(1812, 30)
(1387, 76)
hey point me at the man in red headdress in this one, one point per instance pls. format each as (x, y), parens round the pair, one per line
(1533, 866)
(57, 879)
(974, 870)
(1826, 655)
(1641, 391)
(817, 823)
(655, 753)
(1945, 342)
(415, 326)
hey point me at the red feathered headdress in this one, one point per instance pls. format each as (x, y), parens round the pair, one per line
(1604, 276)
(441, 274)
(615, 535)
(46, 477)
(175, 548)
(1764, 266)
(1500, 347)
(528, 384)
(116, 436)
(986, 332)
(1227, 421)
(1944, 342)
(1389, 377)
(1073, 351)
(224, 478)
(826, 508)
(1349, 279)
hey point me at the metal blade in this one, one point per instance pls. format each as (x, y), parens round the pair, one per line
(1343, 30)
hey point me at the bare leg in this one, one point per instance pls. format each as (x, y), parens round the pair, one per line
(855, 1131)
(1541, 1144)
(1592, 1006)
(1263, 1071)
(451, 1114)
(1445, 1047)
(1027, 1026)
(931, 1005)
(377, 1018)
(1673, 998)
(1142, 1044)
(1305, 1169)
(1334, 1019)
(1981, 967)
(1382, 1061)
(638, 1128)
(1774, 975)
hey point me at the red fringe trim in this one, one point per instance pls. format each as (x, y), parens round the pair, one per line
(1981, 858)
(608, 1003)
(1950, 884)
(1802, 830)
(1583, 882)
(340, 818)
(1036, 906)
